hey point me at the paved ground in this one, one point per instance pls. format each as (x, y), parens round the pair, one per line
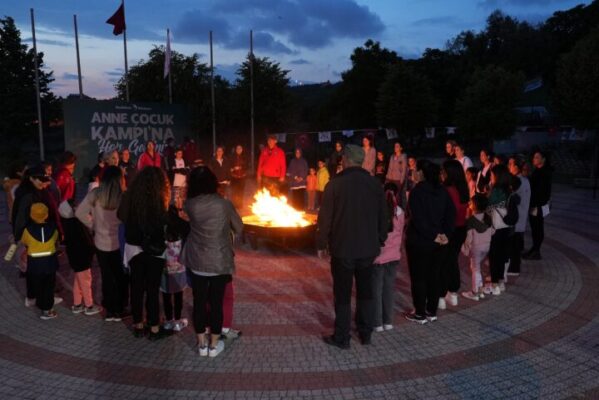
(540, 339)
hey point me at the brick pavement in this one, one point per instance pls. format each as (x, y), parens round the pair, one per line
(538, 340)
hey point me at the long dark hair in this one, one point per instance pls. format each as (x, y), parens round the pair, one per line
(392, 202)
(148, 196)
(110, 190)
(201, 180)
(454, 176)
(430, 170)
(502, 178)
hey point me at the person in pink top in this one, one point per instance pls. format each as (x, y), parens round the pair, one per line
(150, 158)
(385, 265)
(454, 180)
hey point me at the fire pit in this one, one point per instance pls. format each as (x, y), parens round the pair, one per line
(275, 220)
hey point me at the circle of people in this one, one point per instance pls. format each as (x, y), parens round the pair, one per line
(167, 222)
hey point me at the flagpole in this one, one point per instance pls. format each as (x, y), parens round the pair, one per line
(37, 88)
(78, 59)
(170, 82)
(126, 63)
(252, 98)
(212, 97)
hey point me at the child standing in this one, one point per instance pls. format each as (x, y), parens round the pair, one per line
(311, 186)
(40, 238)
(385, 265)
(477, 244)
(179, 170)
(471, 174)
(174, 278)
(322, 178)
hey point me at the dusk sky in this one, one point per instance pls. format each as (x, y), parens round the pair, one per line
(311, 38)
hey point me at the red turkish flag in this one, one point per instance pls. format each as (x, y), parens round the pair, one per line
(118, 20)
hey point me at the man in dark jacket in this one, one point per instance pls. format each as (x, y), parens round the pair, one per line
(353, 223)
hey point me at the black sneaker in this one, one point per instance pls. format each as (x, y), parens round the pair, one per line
(161, 334)
(366, 339)
(331, 341)
(535, 255)
(416, 318)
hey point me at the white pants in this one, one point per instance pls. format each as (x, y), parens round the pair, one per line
(476, 260)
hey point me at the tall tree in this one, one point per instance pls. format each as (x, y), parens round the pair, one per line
(486, 109)
(577, 96)
(405, 101)
(17, 91)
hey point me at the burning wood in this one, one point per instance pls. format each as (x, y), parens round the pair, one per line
(274, 212)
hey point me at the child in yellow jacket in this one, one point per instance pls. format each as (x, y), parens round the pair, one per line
(322, 178)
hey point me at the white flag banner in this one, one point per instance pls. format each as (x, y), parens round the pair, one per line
(391, 134)
(430, 133)
(167, 55)
(348, 133)
(324, 137)
(281, 137)
(451, 130)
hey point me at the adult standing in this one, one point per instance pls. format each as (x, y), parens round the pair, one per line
(352, 223)
(150, 158)
(431, 224)
(190, 151)
(398, 168)
(454, 181)
(239, 168)
(450, 149)
(515, 164)
(219, 165)
(462, 157)
(540, 195)
(336, 160)
(208, 254)
(483, 178)
(297, 174)
(127, 166)
(271, 166)
(143, 210)
(98, 211)
(380, 168)
(369, 162)
(169, 154)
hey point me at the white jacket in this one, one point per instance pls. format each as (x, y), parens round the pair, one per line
(477, 242)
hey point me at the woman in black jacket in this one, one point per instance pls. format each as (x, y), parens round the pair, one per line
(431, 223)
(143, 210)
(540, 194)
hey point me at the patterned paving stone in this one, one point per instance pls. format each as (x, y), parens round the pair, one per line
(538, 340)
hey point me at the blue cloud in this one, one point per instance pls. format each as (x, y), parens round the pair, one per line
(447, 20)
(299, 61)
(117, 72)
(48, 42)
(70, 77)
(491, 4)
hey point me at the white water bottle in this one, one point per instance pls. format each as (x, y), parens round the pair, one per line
(11, 252)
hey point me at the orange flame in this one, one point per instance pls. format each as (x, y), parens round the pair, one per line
(274, 211)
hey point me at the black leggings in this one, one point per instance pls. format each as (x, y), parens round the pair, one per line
(211, 290)
(146, 271)
(169, 308)
(114, 281)
(450, 270)
(499, 253)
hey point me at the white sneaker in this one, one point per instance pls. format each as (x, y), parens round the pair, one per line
(470, 295)
(442, 305)
(230, 334)
(179, 325)
(496, 291)
(452, 299)
(203, 351)
(488, 289)
(378, 329)
(57, 300)
(387, 327)
(92, 310)
(29, 302)
(502, 286)
(213, 352)
(513, 274)
(168, 325)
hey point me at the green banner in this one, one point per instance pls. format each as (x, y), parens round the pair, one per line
(94, 126)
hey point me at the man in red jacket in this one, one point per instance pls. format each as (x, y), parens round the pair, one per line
(271, 166)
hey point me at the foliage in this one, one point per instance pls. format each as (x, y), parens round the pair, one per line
(405, 101)
(577, 82)
(486, 109)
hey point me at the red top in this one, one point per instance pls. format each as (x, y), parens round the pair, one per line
(146, 160)
(312, 183)
(460, 208)
(66, 184)
(272, 163)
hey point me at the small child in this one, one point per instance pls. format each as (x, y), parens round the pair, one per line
(322, 178)
(471, 175)
(174, 278)
(40, 238)
(385, 265)
(411, 174)
(477, 244)
(311, 186)
(179, 170)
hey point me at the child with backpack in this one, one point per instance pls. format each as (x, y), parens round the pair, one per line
(385, 265)
(477, 244)
(174, 278)
(40, 238)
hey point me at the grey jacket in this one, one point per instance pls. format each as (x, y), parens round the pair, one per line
(209, 246)
(524, 193)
